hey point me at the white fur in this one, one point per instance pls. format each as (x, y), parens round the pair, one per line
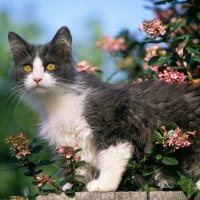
(112, 164)
(198, 185)
(38, 73)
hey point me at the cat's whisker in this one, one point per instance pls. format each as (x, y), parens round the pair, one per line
(20, 100)
(8, 101)
(9, 106)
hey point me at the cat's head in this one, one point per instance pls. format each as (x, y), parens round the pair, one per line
(42, 68)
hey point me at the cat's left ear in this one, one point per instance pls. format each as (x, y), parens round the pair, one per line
(62, 42)
(18, 46)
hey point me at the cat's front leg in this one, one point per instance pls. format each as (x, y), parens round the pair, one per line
(112, 164)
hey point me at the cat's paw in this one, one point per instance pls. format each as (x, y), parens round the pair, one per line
(99, 186)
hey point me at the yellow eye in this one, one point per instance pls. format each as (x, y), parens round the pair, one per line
(51, 67)
(27, 68)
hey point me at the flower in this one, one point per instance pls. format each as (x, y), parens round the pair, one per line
(43, 179)
(68, 152)
(151, 52)
(85, 66)
(112, 44)
(177, 139)
(171, 76)
(19, 146)
(153, 28)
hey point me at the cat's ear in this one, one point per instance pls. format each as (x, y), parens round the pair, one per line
(62, 42)
(18, 46)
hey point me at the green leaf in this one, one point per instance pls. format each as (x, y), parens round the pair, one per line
(159, 157)
(175, 27)
(197, 58)
(169, 160)
(157, 137)
(188, 58)
(158, 60)
(70, 191)
(146, 172)
(171, 126)
(183, 38)
(27, 173)
(187, 185)
(160, 2)
(32, 143)
(176, 68)
(80, 164)
(194, 49)
(45, 162)
(151, 40)
(198, 15)
(36, 149)
(38, 171)
(170, 132)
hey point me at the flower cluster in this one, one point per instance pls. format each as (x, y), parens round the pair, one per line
(69, 152)
(153, 28)
(171, 76)
(177, 139)
(151, 52)
(43, 179)
(85, 66)
(112, 44)
(19, 146)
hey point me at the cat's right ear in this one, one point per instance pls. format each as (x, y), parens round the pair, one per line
(62, 42)
(18, 46)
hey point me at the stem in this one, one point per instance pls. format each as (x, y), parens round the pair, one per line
(111, 76)
(31, 169)
(181, 62)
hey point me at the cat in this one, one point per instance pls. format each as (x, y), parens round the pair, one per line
(105, 120)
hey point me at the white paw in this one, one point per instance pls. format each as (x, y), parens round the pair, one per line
(67, 186)
(198, 185)
(99, 186)
(93, 186)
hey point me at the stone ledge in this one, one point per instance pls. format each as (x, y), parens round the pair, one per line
(160, 195)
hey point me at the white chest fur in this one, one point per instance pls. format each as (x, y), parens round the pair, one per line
(64, 123)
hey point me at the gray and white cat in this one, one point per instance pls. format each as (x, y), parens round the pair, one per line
(106, 121)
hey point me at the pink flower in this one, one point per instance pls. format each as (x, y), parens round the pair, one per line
(68, 152)
(153, 28)
(178, 139)
(43, 179)
(112, 44)
(193, 133)
(19, 146)
(86, 67)
(171, 76)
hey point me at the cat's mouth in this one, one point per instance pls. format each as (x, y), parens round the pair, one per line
(38, 89)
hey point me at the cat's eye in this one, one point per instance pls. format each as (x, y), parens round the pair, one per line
(27, 68)
(51, 67)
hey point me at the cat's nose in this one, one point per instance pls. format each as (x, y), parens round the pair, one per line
(37, 80)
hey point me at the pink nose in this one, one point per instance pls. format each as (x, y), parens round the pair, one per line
(37, 80)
